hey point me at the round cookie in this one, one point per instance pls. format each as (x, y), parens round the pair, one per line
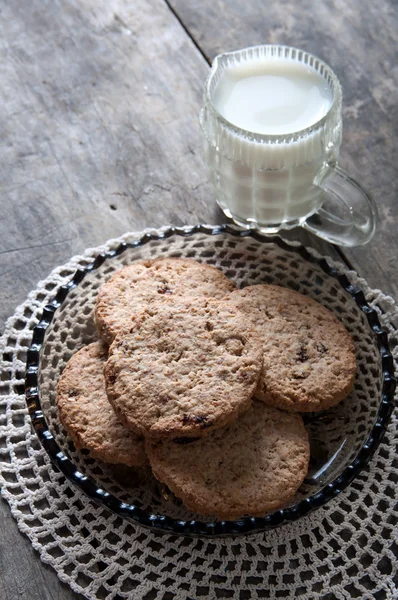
(254, 465)
(88, 417)
(131, 289)
(184, 369)
(309, 359)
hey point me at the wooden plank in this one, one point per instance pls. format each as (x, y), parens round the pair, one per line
(99, 131)
(22, 575)
(359, 40)
(100, 134)
(99, 123)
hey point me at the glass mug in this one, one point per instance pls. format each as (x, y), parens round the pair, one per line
(273, 182)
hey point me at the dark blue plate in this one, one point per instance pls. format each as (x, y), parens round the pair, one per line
(195, 527)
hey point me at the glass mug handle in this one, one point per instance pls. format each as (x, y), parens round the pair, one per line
(348, 214)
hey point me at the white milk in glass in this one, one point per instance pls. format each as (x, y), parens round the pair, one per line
(272, 97)
(270, 179)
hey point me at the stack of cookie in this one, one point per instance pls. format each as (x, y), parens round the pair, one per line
(205, 383)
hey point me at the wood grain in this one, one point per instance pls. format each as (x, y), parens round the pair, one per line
(100, 104)
(100, 135)
(22, 575)
(99, 125)
(359, 40)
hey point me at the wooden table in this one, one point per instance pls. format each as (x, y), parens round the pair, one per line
(100, 134)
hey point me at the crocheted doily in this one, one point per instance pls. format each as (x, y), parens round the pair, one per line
(347, 549)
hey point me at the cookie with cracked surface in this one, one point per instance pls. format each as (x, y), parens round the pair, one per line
(88, 417)
(184, 369)
(254, 465)
(131, 289)
(309, 361)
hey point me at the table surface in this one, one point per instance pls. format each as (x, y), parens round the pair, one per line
(100, 135)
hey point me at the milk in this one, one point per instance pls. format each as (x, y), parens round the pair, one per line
(273, 97)
(273, 143)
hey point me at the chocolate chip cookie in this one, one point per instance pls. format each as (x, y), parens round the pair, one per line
(88, 417)
(184, 368)
(254, 465)
(309, 359)
(133, 288)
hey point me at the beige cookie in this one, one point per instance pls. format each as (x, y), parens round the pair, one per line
(309, 359)
(250, 467)
(186, 368)
(131, 289)
(88, 417)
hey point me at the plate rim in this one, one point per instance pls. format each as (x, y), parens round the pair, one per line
(245, 525)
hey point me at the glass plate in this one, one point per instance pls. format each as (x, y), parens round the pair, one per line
(342, 439)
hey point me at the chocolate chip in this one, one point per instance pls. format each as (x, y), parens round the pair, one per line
(186, 419)
(112, 378)
(302, 354)
(164, 289)
(73, 393)
(321, 348)
(203, 421)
